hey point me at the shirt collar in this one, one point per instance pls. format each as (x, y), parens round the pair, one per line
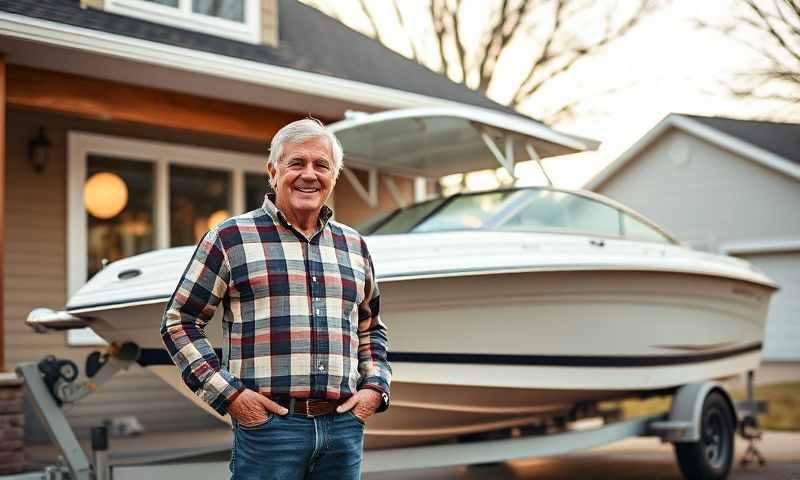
(269, 206)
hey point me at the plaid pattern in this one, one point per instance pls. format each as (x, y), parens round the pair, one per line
(300, 317)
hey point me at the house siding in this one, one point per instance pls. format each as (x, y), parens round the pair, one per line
(35, 269)
(98, 4)
(708, 196)
(269, 22)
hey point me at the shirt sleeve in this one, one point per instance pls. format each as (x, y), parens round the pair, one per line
(373, 364)
(201, 288)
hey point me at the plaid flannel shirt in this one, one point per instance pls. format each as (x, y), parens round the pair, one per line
(300, 319)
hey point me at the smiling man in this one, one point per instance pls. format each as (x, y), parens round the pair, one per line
(304, 350)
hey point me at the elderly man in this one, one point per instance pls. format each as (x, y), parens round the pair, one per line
(304, 350)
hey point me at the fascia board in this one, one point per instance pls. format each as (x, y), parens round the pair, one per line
(629, 154)
(710, 134)
(738, 146)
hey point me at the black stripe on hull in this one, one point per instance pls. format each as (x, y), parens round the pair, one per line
(159, 356)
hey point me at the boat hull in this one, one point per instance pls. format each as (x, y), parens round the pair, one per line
(475, 353)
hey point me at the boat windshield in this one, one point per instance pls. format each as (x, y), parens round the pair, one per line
(528, 209)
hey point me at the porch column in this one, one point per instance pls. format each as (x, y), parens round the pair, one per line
(2, 209)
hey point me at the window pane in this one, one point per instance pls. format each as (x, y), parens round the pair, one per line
(228, 9)
(118, 197)
(402, 221)
(198, 200)
(562, 211)
(467, 212)
(169, 3)
(255, 185)
(636, 230)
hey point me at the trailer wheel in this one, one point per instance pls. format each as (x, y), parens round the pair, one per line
(711, 457)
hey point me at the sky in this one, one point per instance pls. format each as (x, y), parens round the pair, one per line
(665, 65)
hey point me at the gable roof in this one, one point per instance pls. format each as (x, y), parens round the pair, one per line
(779, 138)
(309, 41)
(774, 145)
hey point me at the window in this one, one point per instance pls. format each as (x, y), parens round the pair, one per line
(127, 197)
(635, 230)
(469, 212)
(235, 19)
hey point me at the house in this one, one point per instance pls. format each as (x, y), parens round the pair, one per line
(132, 125)
(725, 186)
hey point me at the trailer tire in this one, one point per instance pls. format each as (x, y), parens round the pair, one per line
(711, 457)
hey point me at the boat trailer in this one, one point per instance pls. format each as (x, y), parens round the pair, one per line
(701, 423)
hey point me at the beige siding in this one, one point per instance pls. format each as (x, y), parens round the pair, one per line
(92, 3)
(35, 266)
(269, 22)
(706, 195)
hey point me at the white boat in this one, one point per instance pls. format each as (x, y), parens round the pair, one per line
(505, 309)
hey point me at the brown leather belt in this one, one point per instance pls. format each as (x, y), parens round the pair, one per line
(310, 407)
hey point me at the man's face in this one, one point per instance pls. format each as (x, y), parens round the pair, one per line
(304, 177)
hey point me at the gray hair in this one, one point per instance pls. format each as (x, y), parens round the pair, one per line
(301, 131)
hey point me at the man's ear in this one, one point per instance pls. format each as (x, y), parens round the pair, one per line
(271, 174)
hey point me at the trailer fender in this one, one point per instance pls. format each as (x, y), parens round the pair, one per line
(683, 422)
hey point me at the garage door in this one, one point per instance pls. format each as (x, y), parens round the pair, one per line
(782, 339)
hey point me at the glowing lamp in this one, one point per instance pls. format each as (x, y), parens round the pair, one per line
(217, 217)
(105, 195)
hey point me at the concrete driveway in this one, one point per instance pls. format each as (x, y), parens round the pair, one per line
(639, 458)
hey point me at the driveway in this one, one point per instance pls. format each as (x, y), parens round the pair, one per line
(638, 458)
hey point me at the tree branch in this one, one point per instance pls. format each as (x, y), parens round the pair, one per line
(437, 18)
(376, 32)
(414, 53)
(768, 28)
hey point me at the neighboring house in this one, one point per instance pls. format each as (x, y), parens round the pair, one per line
(169, 103)
(726, 186)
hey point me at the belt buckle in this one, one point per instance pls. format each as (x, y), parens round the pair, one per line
(307, 403)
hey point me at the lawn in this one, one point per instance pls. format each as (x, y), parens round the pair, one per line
(783, 400)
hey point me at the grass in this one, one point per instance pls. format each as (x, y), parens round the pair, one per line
(783, 400)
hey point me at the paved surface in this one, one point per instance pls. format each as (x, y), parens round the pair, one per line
(639, 458)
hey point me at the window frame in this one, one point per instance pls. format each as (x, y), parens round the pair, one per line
(184, 17)
(80, 145)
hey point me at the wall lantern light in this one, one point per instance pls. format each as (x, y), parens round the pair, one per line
(39, 151)
(105, 194)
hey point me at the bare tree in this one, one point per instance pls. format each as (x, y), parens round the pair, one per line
(771, 29)
(540, 41)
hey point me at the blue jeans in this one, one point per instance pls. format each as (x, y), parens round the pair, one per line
(294, 447)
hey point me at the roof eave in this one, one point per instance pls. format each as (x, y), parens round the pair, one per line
(705, 132)
(311, 84)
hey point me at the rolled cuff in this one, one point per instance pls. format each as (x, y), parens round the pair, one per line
(220, 389)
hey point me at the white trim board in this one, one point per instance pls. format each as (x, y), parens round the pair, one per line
(767, 245)
(709, 134)
(182, 16)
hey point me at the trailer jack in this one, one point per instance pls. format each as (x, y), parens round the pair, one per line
(53, 382)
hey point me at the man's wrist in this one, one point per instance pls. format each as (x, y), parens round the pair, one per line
(385, 398)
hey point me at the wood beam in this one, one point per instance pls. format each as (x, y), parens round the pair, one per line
(120, 102)
(2, 210)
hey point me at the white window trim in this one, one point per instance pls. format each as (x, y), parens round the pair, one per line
(80, 145)
(184, 17)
